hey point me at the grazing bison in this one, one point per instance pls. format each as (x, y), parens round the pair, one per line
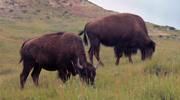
(57, 51)
(125, 32)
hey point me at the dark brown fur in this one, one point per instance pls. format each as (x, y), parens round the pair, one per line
(57, 51)
(125, 32)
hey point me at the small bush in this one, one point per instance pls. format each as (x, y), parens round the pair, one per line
(64, 2)
(2, 8)
(17, 18)
(23, 6)
(11, 10)
(151, 37)
(172, 28)
(47, 17)
(25, 11)
(38, 10)
(39, 2)
(160, 36)
(34, 13)
(156, 26)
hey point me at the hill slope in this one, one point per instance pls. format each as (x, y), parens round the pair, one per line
(63, 11)
(79, 8)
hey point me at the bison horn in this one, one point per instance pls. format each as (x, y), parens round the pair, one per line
(97, 64)
(157, 43)
(78, 65)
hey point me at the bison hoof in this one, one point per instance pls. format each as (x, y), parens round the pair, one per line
(101, 64)
(117, 64)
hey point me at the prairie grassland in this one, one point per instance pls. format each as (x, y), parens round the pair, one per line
(156, 79)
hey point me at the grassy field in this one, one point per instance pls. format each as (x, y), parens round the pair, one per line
(156, 79)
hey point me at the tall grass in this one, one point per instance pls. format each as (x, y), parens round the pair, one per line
(156, 79)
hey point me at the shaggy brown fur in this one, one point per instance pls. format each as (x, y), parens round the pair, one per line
(57, 51)
(125, 32)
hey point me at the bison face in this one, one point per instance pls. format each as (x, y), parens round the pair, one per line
(87, 72)
(150, 50)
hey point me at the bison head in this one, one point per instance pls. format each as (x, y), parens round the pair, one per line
(151, 49)
(148, 51)
(87, 71)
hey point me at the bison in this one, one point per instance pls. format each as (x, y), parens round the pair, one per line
(57, 51)
(125, 32)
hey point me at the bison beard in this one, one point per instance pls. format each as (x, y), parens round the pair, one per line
(57, 51)
(125, 32)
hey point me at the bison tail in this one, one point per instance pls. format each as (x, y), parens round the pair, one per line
(21, 53)
(81, 32)
(21, 57)
(20, 60)
(85, 39)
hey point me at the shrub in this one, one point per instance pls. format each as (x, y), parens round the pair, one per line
(17, 18)
(25, 11)
(11, 10)
(160, 36)
(156, 26)
(47, 17)
(39, 2)
(172, 28)
(34, 13)
(2, 8)
(64, 2)
(46, 5)
(23, 6)
(38, 10)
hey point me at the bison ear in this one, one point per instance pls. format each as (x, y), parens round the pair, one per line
(78, 65)
(97, 64)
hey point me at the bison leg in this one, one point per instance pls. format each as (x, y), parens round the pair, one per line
(94, 49)
(117, 60)
(24, 74)
(35, 74)
(142, 54)
(68, 74)
(96, 54)
(130, 59)
(119, 49)
(62, 73)
(71, 69)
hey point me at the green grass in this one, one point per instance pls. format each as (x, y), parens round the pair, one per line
(156, 79)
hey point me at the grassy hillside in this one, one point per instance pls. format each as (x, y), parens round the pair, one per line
(156, 79)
